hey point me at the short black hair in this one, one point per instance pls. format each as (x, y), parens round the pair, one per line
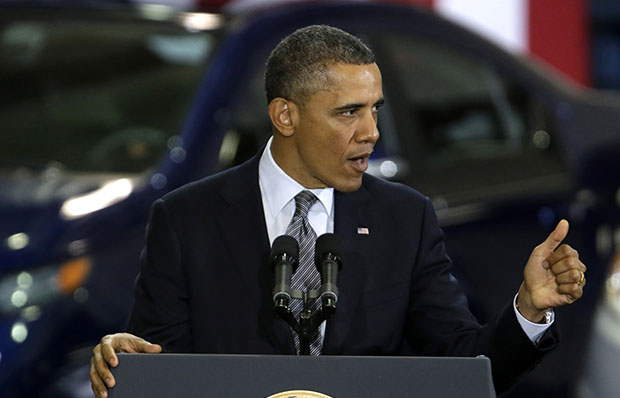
(297, 66)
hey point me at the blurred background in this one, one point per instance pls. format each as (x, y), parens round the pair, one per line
(506, 113)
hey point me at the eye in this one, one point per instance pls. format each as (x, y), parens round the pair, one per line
(349, 112)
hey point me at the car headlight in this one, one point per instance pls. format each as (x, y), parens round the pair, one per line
(39, 286)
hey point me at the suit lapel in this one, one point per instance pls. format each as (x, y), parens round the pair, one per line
(248, 244)
(352, 212)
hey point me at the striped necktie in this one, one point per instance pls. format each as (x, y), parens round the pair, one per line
(306, 277)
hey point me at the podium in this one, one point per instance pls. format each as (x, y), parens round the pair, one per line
(259, 376)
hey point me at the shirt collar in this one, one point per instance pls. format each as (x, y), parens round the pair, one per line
(280, 188)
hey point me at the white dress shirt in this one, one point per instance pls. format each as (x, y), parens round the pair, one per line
(278, 192)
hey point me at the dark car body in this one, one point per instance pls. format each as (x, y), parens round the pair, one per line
(93, 132)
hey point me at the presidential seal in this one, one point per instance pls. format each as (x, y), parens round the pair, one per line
(299, 394)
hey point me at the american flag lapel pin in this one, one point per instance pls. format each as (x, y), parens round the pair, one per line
(363, 231)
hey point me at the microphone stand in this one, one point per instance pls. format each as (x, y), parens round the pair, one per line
(308, 324)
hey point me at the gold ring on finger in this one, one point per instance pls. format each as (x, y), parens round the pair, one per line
(583, 276)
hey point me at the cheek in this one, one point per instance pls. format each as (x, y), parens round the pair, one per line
(340, 138)
(327, 143)
(334, 149)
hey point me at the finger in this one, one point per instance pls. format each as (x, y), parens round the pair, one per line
(562, 252)
(567, 264)
(96, 384)
(151, 348)
(108, 352)
(101, 367)
(138, 345)
(573, 290)
(555, 238)
(570, 276)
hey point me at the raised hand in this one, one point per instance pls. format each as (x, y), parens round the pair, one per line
(553, 276)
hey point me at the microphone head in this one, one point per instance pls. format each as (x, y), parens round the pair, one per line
(328, 244)
(285, 245)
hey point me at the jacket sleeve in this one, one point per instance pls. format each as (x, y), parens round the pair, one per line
(439, 322)
(161, 311)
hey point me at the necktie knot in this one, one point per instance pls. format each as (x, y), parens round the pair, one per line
(303, 202)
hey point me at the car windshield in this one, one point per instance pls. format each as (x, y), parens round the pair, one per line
(86, 96)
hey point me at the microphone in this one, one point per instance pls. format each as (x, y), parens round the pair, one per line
(284, 254)
(328, 261)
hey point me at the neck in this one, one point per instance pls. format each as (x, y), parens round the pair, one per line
(285, 155)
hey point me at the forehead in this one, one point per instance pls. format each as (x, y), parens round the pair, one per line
(348, 83)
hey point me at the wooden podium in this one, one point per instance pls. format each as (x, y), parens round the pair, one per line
(258, 376)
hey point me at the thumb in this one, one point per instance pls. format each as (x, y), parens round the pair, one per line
(151, 348)
(555, 238)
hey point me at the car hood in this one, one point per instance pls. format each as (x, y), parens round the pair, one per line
(37, 228)
(29, 234)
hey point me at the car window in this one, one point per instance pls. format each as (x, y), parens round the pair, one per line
(469, 131)
(93, 96)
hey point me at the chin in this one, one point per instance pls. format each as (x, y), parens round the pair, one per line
(350, 185)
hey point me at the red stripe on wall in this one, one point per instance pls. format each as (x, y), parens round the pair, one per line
(559, 34)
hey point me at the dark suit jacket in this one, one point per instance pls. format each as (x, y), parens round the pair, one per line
(205, 283)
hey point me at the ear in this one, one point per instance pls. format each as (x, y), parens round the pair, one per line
(282, 115)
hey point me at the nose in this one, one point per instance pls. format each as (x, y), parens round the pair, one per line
(367, 130)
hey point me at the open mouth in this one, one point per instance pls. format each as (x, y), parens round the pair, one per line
(359, 163)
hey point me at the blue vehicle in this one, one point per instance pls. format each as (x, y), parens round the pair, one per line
(103, 110)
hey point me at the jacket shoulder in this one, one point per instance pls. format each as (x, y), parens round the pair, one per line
(392, 192)
(223, 184)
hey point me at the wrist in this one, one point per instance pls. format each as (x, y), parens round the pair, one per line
(526, 307)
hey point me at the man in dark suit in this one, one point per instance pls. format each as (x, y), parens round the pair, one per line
(205, 285)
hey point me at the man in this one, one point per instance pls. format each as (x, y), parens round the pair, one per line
(397, 295)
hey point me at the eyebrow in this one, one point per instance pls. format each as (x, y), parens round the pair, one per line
(380, 102)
